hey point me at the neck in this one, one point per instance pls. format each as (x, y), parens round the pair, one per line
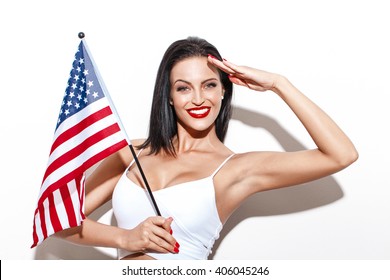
(186, 141)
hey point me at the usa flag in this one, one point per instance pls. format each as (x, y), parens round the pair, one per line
(86, 132)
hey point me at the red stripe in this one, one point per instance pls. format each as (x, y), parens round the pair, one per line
(55, 221)
(42, 220)
(80, 126)
(79, 149)
(35, 235)
(68, 204)
(87, 164)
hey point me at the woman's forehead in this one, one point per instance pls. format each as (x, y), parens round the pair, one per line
(193, 68)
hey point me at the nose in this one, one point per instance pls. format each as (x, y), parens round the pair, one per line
(197, 98)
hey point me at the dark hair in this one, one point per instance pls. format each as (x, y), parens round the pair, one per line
(163, 125)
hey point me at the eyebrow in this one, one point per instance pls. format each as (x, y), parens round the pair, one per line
(187, 82)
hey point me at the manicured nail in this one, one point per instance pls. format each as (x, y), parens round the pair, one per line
(171, 231)
(177, 245)
(176, 250)
(213, 57)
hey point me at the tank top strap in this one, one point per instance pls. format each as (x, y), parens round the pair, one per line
(132, 162)
(221, 165)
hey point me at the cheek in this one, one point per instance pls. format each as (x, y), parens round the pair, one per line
(213, 96)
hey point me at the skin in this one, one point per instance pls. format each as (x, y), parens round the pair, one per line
(195, 83)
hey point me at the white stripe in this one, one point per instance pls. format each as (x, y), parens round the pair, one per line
(82, 192)
(74, 196)
(78, 161)
(49, 228)
(76, 118)
(38, 229)
(79, 138)
(60, 208)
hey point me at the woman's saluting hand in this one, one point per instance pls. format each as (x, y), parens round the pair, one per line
(252, 78)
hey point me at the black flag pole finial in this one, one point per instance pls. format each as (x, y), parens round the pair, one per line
(81, 35)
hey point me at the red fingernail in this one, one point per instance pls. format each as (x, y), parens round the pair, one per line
(177, 245)
(176, 250)
(212, 56)
(171, 231)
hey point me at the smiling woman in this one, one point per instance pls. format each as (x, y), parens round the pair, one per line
(196, 93)
(196, 180)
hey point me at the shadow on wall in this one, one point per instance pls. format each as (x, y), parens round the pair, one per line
(274, 202)
(285, 200)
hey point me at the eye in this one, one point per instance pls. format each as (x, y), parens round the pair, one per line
(211, 85)
(182, 88)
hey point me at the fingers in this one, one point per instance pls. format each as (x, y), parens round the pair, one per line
(237, 81)
(167, 225)
(156, 236)
(224, 65)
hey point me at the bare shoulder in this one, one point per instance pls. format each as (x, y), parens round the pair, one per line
(125, 155)
(237, 173)
(241, 163)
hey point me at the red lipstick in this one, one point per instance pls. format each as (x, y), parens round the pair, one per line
(199, 112)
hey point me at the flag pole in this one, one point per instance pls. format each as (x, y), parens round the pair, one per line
(81, 35)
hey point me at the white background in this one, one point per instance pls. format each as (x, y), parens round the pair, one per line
(336, 52)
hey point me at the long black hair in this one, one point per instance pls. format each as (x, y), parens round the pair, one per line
(163, 125)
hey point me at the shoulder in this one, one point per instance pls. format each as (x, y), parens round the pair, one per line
(125, 155)
(241, 165)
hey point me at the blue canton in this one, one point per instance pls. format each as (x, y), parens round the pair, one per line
(83, 86)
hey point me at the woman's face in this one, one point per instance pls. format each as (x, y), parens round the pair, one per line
(196, 93)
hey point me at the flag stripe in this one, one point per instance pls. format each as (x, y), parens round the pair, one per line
(80, 191)
(76, 129)
(79, 138)
(65, 195)
(60, 208)
(81, 115)
(75, 167)
(88, 163)
(82, 147)
(53, 213)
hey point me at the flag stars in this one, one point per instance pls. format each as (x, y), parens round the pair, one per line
(82, 88)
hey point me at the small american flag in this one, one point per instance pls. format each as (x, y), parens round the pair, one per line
(87, 131)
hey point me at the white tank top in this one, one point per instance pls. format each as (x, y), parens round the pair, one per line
(196, 224)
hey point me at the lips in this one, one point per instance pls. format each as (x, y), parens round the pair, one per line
(199, 112)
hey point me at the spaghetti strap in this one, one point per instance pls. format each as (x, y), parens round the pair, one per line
(132, 162)
(221, 165)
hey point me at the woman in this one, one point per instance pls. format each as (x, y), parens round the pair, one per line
(196, 180)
